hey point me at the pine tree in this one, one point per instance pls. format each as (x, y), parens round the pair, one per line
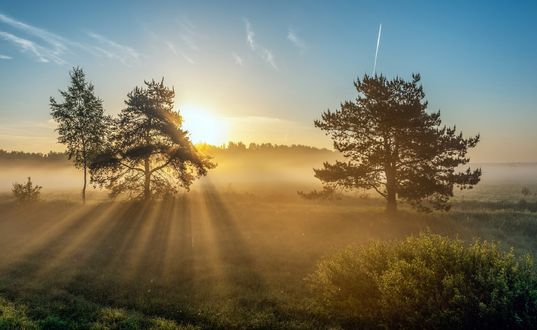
(148, 152)
(81, 122)
(394, 146)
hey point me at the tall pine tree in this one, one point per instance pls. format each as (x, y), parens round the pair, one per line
(81, 122)
(148, 152)
(394, 146)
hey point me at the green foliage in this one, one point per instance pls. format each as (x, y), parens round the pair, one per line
(81, 121)
(80, 118)
(13, 317)
(394, 146)
(121, 319)
(26, 193)
(148, 152)
(427, 281)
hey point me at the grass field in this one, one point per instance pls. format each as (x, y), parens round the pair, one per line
(212, 258)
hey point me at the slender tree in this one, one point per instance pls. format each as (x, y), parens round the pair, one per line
(81, 122)
(394, 146)
(148, 152)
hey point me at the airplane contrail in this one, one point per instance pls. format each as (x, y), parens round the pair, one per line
(377, 51)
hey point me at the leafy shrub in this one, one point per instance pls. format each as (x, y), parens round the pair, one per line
(14, 317)
(427, 281)
(25, 193)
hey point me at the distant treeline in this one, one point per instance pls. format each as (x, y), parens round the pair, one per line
(257, 148)
(51, 156)
(231, 148)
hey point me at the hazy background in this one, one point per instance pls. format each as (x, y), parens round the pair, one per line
(281, 171)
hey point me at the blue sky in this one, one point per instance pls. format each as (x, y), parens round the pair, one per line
(263, 71)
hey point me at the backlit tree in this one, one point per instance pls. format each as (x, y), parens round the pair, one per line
(81, 122)
(148, 153)
(394, 146)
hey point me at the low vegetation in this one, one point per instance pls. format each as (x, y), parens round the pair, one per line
(218, 259)
(427, 281)
(26, 193)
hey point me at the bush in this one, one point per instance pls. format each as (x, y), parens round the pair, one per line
(14, 317)
(428, 281)
(26, 193)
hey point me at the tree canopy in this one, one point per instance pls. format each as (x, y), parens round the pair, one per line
(393, 145)
(148, 153)
(81, 121)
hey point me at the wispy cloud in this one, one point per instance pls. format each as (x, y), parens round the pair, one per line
(237, 59)
(187, 58)
(264, 53)
(5, 57)
(171, 47)
(46, 46)
(42, 54)
(111, 49)
(57, 42)
(188, 35)
(250, 35)
(296, 40)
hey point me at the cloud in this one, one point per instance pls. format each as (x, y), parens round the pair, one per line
(57, 42)
(42, 54)
(5, 57)
(171, 47)
(46, 46)
(250, 35)
(188, 58)
(114, 50)
(265, 53)
(296, 40)
(237, 59)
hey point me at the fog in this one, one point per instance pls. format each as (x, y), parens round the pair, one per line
(248, 173)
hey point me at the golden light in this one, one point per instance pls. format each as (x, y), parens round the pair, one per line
(203, 125)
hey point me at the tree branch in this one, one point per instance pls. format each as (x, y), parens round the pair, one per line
(158, 168)
(131, 167)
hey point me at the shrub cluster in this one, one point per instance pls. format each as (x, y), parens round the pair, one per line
(26, 193)
(427, 281)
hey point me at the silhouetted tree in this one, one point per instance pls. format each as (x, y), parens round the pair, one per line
(395, 147)
(525, 191)
(81, 121)
(148, 152)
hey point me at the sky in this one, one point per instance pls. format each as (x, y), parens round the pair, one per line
(262, 71)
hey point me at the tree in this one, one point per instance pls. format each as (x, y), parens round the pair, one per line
(525, 191)
(392, 145)
(81, 122)
(148, 152)
(26, 193)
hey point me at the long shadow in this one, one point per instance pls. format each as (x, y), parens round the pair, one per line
(181, 240)
(152, 258)
(90, 280)
(233, 250)
(125, 236)
(25, 228)
(20, 274)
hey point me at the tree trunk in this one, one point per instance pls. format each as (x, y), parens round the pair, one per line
(391, 194)
(147, 180)
(85, 182)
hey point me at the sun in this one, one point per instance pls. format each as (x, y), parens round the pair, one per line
(203, 125)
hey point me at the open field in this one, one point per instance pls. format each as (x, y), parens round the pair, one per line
(212, 258)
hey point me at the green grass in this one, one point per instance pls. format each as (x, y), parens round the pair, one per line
(208, 259)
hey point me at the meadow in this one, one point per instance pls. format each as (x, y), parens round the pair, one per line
(228, 254)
